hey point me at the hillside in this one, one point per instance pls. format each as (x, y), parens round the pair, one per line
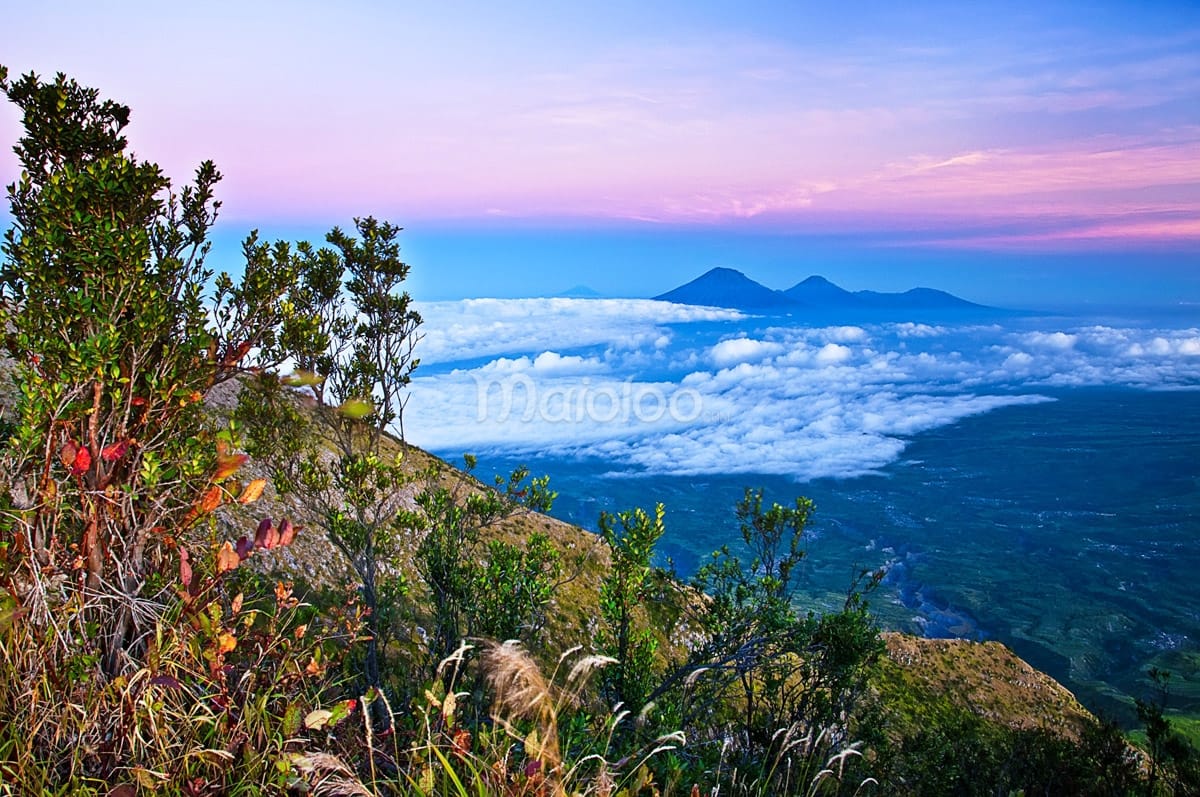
(924, 676)
(914, 678)
(319, 567)
(918, 683)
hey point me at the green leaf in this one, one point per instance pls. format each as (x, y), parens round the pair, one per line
(356, 408)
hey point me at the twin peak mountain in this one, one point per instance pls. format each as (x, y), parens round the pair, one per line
(726, 287)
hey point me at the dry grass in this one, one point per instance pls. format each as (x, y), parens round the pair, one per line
(989, 680)
(203, 712)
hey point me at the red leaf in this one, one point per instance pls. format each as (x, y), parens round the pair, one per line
(244, 547)
(234, 355)
(227, 464)
(82, 461)
(167, 681)
(113, 452)
(287, 532)
(185, 569)
(252, 491)
(264, 528)
(461, 742)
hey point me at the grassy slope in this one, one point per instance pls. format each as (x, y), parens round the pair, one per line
(315, 563)
(922, 680)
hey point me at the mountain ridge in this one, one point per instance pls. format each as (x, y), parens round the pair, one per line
(726, 287)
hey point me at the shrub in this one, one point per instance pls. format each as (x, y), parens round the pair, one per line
(123, 654)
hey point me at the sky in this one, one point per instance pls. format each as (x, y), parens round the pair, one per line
(1013, 153)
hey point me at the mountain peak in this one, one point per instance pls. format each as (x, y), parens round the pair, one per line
(818, 291)
(726, 287)
(578, 292)
(723, 273)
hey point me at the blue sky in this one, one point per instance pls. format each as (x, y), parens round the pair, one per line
(1010, 152)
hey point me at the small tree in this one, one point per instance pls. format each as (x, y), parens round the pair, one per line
(1174, 762)
(631, 538)
(335, 458)
(760, 671)
(512, 587)
(790, 667)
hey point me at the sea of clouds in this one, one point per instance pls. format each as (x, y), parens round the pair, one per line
(655, 387)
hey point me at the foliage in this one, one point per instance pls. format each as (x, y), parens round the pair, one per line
(621, 635)
(367, 359)
(1174, 762)
(962, 753)
(783, 684)
(510, 588)
(751, 619)
(113, 350)
(122, 643)
(766, 690)
(216, 669)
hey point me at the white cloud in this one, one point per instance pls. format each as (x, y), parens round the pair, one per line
(1052, 340)
(832, 353)
(504, 365)
(845, 334)
(910, 330)
(801, 401)
(1018, 361)
(741, 350)
(551, 362)
(546, 363)
(474, 328)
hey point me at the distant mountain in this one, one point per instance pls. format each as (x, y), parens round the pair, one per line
(725, 287)
(923, 298)
(820, 292)
(578, 292)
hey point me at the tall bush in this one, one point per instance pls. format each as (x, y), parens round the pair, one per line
(113, 349)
